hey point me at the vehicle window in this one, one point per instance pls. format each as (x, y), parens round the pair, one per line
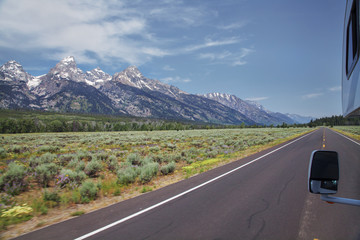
(352, 40)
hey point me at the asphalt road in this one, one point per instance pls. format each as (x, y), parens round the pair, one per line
(264, 196)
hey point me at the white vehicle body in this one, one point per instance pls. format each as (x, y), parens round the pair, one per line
(324, 165)
(351, 63)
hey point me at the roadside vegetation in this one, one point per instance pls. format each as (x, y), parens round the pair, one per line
(40, 172)
(351, 131)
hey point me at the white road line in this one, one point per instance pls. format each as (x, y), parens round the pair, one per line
(346, 137)
(183, 193)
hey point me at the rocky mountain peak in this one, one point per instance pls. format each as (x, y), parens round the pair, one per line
(67, 69)
(133, 77)
(68, 63)
(70, 60)
(133, 73)
(67, 88)
(98, 72)
(11, 65)
(13, 71)
(132, 70)
(96, 77)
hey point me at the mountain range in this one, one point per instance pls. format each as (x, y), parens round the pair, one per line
(66, 88)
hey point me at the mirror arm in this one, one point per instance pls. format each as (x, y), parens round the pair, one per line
(347, 201)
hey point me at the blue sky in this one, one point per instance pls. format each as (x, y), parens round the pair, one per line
(284, 54)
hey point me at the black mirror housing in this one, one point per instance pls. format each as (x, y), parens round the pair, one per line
(323, 172)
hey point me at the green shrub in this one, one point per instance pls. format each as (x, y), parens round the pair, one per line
(158, 158)
(3, 153)
(52, 198)
(6, 199)
(102, 156)
(15, 149)
(93, 168)
(80, 166)
(39, 206)
(117, 191)
(193, 151)
(173, 158)
(88, 191)
(34, 161)
(133, 158)
(73, 163)
(127, 175)
(146, 189)
(148, 171)
(212, 154)
(77, 213)
(112, 163)
(154, 149)
(46, 172)
(84, 155)
(13, 180)
(169, 168)
(46, 148)
(171, 146)
(70, 177)
(146, 161)
(45, 158)
(75, 196)
(66, 158)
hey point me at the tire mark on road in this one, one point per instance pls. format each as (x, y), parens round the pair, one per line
(250, 219)
(284, 188)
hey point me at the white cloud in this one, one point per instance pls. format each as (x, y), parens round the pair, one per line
(109, 31)
(213, 43)
(335, 89)
(227, 57)
(215, 56)
(168, 68)
(235, 25)
(175, 12)
(175, 79)
(312, 95)
(257, 99)
(112, 31)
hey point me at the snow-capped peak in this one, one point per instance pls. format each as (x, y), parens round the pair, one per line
(68, 60)
(14, 71)
(67, 69)
(99, 70)
(13, 66)
(96, 77)
(133, 72)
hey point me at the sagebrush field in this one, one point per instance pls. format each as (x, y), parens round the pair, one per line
(45, 171)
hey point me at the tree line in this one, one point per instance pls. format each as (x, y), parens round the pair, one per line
(37, 126)
(30, 122)
(335, 121)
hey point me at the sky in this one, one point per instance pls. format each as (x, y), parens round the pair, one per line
(284, 54)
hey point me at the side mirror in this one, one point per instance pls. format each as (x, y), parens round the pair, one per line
(323, 172)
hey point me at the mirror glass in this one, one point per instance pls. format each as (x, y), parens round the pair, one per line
(324, 172)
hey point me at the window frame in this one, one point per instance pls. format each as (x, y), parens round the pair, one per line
(353, 20)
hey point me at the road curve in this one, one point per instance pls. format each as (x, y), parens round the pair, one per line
(264, 196)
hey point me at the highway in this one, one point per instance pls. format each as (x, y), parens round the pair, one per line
(263, 196)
